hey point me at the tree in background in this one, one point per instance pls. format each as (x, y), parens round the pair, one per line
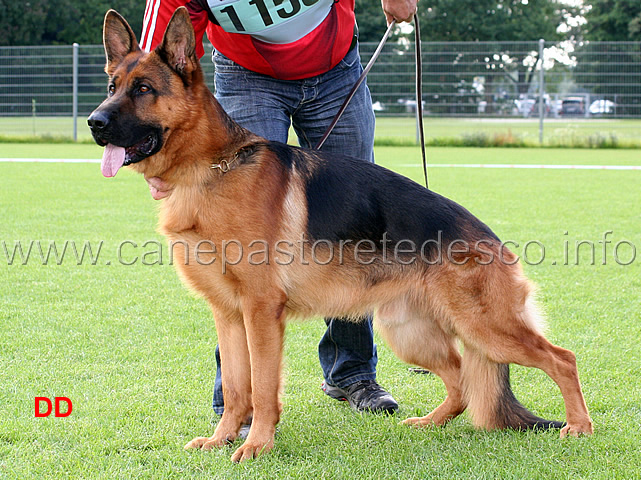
(490, 20)
(22, 24)
(509, 68)
(30, 78)
(46, 22)
(612, 71)
(460, 77)
(371, 20)
(56, 22)
(81, 22)
(613, 21)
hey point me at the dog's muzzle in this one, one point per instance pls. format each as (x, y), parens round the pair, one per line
(98, 122)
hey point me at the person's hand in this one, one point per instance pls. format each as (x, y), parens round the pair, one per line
(399, 10)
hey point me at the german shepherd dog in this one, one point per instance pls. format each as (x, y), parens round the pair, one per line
(266, 232)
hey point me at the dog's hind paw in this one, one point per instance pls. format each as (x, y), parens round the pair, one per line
(420, 422)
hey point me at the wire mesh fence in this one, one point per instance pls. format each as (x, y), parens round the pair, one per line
(504, 79)
(51, 90)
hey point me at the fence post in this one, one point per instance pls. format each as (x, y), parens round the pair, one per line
(33, 116)
(75, 92)
(541, 89)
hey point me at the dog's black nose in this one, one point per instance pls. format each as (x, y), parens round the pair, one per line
(98, 120)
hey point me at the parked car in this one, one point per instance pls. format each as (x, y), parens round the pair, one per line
(573, 106)
(529, 107)
(523, 106)
(410, 104)
(378, 106)
(602, 107)
(534, 111)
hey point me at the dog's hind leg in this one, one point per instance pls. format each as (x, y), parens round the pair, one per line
(417, 339)
(236, 375)
(506, 334)
(491, 400)
(560, 365)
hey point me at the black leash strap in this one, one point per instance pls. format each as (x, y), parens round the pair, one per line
(419, 93)
(419, 89)
(360, 80)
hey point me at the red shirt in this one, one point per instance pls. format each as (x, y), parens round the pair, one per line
(315, 53)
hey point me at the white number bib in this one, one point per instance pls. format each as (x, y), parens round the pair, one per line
(265, 19)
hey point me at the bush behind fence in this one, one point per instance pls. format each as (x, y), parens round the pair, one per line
(460, 79)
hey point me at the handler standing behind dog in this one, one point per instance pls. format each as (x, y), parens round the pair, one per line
(282, 62)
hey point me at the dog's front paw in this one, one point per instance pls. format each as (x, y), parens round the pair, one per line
(197, 442)
(577, 429)
(208, 443)
(251, 450)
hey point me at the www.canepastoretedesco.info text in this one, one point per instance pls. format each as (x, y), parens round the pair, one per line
(608, 249)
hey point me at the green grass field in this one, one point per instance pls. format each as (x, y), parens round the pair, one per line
(133, 349)
(557, 132)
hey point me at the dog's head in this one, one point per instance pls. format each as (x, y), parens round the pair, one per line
(143, 105)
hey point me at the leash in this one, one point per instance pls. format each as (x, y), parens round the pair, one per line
(419, 93)
(419, 90)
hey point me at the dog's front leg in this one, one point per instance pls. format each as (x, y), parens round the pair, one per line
(236, 377)
(264, 319)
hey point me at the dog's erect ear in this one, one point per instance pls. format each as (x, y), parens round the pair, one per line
(118, 38)
(178, 47)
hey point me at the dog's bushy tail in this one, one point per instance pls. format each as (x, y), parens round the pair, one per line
(491, 402)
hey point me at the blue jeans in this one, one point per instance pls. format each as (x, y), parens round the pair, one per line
(267, 107)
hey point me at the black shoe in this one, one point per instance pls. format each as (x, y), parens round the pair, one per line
(364, 396)
(244, 431)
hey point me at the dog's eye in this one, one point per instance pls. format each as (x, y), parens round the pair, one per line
(144, 89)
(111, 89)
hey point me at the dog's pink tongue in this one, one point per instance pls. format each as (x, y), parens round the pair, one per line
(112, 159)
